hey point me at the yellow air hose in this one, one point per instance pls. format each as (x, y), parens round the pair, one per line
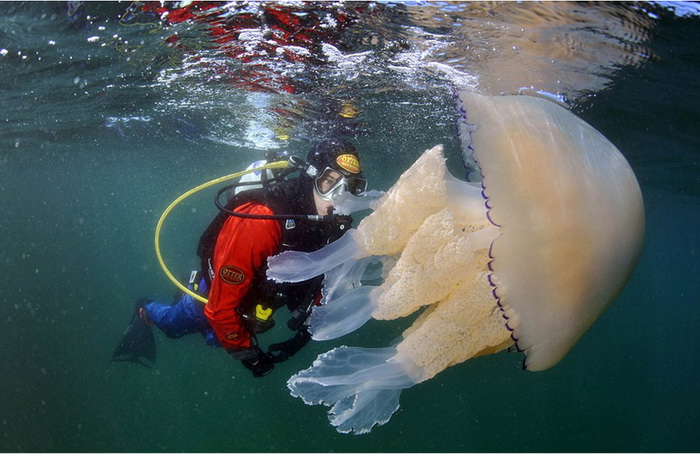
(272, 165)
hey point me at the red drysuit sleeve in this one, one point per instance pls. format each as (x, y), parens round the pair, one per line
(242, 247)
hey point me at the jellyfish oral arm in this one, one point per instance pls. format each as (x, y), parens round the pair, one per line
(349, 204)
(295, 266)
(361, 385)
(344, 315)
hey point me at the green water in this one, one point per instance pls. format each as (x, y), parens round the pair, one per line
(80, 198)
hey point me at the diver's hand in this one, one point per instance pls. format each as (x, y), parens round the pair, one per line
(290, 347)
(259, 365)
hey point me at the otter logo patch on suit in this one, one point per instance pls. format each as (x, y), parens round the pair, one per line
(231, 275)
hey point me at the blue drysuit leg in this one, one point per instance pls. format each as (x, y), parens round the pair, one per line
(186, 316)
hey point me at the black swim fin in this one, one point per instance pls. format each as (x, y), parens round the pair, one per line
(137, 345)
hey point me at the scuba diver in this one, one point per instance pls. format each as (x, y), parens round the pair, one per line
(254, 224)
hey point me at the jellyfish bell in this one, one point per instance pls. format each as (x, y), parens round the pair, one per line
(571, 217)
(532, 258)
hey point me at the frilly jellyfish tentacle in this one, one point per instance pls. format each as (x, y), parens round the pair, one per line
(347, 203)
(437, 258)
(295, 266)
(343, 315)
(362, 385)
(375, 268)
(365, 410)
(420, 192)
(346, 277)
(347, 305)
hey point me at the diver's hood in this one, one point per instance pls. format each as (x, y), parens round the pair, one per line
(293, 196)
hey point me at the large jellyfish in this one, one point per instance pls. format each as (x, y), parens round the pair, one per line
(529, 257)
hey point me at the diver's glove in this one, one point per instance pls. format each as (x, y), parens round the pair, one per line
(260, 365)
(290, 347)
(244, 353)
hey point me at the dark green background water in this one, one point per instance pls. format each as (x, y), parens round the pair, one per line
(79, 200)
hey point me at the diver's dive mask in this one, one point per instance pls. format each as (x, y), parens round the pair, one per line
(330, 184)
